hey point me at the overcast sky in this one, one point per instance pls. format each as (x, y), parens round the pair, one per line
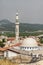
(30, 11)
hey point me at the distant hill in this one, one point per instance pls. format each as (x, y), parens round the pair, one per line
(6, 25)
(30, 27)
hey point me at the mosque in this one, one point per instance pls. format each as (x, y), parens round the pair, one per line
(27, 44)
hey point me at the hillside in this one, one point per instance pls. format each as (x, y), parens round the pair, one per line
(6, 25)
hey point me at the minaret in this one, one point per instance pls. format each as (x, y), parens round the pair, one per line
(17, 28)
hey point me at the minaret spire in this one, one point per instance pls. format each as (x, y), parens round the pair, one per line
(17, 28)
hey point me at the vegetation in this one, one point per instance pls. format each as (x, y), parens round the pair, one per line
(2, 45)
(7, 62)
(12, 34)
(41, 40)
(31, 34)
(6, 25)
(3, 40)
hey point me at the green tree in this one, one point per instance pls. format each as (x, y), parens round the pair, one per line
(1, 44)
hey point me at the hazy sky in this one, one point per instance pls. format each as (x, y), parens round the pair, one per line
(30, 11)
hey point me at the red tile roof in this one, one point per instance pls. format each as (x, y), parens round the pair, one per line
(14, 45)
(10, 39)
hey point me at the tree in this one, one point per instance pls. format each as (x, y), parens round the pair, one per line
(1, 44)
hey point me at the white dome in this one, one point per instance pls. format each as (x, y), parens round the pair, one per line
(29, 42)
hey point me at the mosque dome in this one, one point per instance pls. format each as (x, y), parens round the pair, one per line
(29, 42)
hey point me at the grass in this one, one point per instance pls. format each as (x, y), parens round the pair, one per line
(7, 62)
